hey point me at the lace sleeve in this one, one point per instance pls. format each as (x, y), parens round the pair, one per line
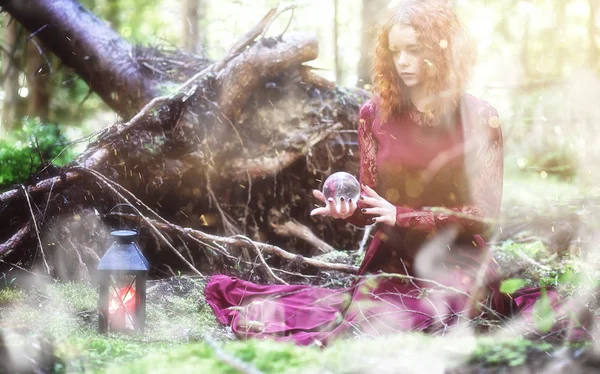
(367, 149)
(485, 168)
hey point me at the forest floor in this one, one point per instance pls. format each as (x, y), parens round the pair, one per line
(52, 326)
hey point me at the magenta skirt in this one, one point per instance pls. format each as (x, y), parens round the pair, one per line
(454, 293)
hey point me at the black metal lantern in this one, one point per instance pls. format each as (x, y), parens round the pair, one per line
(122, 271)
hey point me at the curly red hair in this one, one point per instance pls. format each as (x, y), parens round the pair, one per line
(448, 56)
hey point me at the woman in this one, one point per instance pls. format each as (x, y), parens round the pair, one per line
(423, 143)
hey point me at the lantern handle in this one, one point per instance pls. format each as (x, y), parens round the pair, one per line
(137, 230)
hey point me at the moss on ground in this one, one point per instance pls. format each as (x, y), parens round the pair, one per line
(66, 315)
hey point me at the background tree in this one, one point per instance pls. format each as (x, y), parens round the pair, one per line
(194, 34)
(372, 12)
(38, 70)
(11, 67)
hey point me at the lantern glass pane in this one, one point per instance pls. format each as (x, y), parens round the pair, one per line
(122, 300)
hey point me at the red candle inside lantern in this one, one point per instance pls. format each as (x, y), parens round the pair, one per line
(121, 309)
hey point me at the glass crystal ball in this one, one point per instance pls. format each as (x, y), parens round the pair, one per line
(341, 184)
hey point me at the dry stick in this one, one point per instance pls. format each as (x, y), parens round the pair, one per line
(293, 228)
(365, 239)
(248, 38)
(229, 226)
(219, 250)
(37, 231)
(187, 249)
(135, 198)
(265, 248)
(48, 201)
(222, 251)
(7, 247)
(41, 186)
(23, 269)
(262, 260)
(272, 19)
(103, 179)
(246, 209)
(437, 284)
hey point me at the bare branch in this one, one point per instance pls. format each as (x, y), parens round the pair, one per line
(294, 228)
(8, 246)
(37, 231)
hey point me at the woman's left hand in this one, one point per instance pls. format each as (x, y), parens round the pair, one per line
(382, 210)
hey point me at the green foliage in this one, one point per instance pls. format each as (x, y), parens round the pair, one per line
(508, 352)
(23, 152)
(552, 159)
(533, 249)
(543, 314)
(512, 285)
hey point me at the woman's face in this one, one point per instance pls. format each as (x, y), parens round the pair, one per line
(406, 54)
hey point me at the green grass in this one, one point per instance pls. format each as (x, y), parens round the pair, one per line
(173, 342)
(511, 352)
(9, 295)
(66, 313)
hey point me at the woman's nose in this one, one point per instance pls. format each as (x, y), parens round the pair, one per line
(402, 59)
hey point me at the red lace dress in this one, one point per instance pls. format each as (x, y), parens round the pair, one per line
(429, 272)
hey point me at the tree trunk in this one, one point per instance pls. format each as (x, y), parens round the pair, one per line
(113, 14)
(38, 80)
(10, 73)
(86, 44)
(593, 52)
(336, 51)
(236, 150)
(371, 14)
(194, 35)
(559, 34)
(527, 72)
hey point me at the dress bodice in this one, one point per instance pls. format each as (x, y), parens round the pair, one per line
(420, 166)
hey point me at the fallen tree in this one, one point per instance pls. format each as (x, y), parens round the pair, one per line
(229, 148)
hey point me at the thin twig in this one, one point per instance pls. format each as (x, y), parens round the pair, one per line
(248, 38)
(129, 193)
(436, 284)
(228, 225)
(48, 201)
(23, 269)
(37, 231)
(272, 19)
(262, 260)
(234, 362)
(150, 224)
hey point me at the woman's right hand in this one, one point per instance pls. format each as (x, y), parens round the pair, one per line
(336, 209)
